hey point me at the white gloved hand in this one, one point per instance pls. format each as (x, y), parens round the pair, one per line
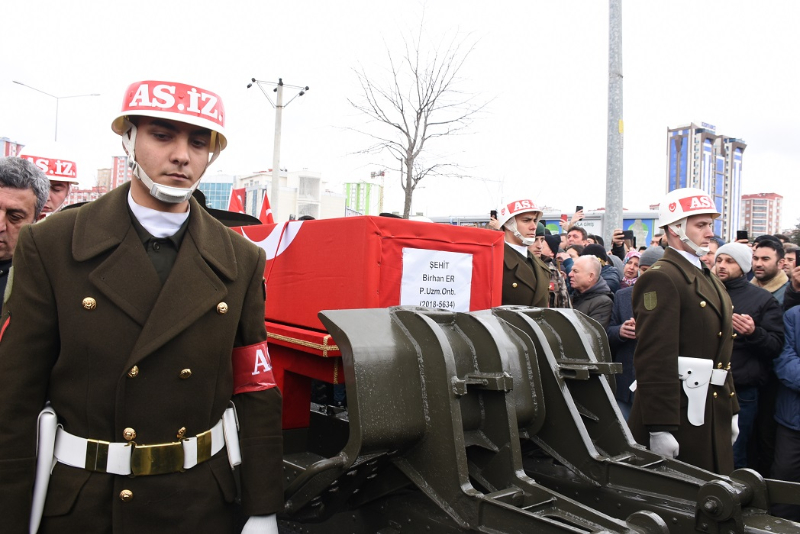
(261, 524)
(734, 428)
(664, 443)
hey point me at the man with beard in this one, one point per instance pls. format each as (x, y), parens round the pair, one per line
(758, 323)
(768, 267)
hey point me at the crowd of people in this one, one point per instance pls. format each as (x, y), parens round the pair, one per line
(689, 305)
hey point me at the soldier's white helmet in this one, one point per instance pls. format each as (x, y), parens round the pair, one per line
(507, 212)
(173, 101)
(679, 205)
(53, 160)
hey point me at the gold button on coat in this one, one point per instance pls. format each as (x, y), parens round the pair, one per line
(715, 394)
(514, 284)
(89, 303)
(222, 308)
(733, 393)
(181, 432)
(129, 434)
(134, 372)
(702, 304)
(186, 373)
(126, 495)
(719, 335)
(719, 365)
(734, 335)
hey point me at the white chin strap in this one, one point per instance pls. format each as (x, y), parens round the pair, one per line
(678, 228)
(164, 193)
(511, 224)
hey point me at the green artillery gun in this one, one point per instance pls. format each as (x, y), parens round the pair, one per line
(496, 421)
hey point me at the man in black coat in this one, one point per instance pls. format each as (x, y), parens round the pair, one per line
(591, 294)
(758, 323)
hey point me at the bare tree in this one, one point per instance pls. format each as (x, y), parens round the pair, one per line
(420, 102)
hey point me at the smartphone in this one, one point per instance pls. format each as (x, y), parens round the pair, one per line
(564, 217)
(578, 208)
(627, 234)
(741, 234)
(493, 214)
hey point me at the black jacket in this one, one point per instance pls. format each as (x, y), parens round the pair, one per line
(596, 302)
(752, 355)
(790, 297)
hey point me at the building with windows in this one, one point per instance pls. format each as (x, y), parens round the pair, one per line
(699, 157)
(301, 193)
(761, 214)
(120, 172)
(364, 197)
(104, 178)
(77, 195)
(217, 189)
(9, 148)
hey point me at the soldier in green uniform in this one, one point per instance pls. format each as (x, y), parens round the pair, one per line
(140, 319)
(685, 403)
(526, 279)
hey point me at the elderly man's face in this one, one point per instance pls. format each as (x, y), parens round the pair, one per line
(581, 276)
(17, 207)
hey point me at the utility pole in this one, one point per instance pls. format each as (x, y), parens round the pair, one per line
(613, 215)
(57, 99)
(274, 198)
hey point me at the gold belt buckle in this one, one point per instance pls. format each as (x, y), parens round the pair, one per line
(157, 459)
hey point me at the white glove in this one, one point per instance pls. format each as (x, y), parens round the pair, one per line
(261, 524)
(734, 428)
(664, 443)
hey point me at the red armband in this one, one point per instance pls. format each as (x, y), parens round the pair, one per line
(5, 325)
(252, 368)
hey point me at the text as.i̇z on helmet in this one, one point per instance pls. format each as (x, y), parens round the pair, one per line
(174, 98)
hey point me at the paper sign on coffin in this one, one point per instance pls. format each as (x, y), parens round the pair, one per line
(376, 262)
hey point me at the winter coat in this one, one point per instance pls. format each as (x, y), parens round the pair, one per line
(525, 280)
(610, 274)
(681, 310)
(752, 355)
(622, 348)
(787, 368)
(596, 302)
(89, 327)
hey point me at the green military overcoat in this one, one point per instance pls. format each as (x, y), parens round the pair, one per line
(681, 310)
(144, 357)
(526, 282)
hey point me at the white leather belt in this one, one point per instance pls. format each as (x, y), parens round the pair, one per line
(134, 459)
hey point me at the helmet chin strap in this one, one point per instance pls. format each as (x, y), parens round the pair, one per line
(678, 229)
(512, 225)
(164, 193)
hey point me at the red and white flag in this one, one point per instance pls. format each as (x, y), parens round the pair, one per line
(236, 203)
(266, 212)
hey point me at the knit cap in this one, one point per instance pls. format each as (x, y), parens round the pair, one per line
(741, 254)
(650, 256)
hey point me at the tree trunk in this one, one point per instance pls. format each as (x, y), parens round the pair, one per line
(409, 187)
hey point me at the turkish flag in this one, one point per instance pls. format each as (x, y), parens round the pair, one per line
(266, 212)
(236, 203)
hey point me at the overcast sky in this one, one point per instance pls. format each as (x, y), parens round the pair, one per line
(542, 65)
